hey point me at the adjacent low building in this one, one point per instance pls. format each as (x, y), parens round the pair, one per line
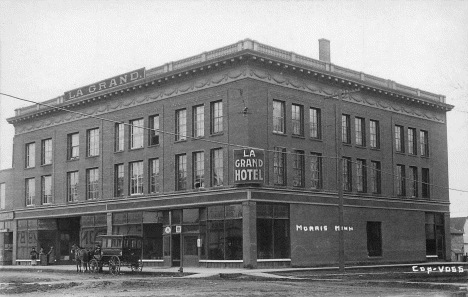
(236, 157)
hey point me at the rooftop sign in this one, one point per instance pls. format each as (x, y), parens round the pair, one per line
(249, 166)
(106, 84)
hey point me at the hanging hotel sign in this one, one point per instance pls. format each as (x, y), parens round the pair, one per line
(106, 84)
(249, 166)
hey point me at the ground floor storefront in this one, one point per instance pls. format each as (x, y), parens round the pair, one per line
(248, 228)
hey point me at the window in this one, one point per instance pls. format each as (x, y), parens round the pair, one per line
(359, 125)
(73, 146)
(374, 239)
(199, 121)
(30, 186)
(279, 164)
(181, 172)
(374, 134)
(315, 123)
(361, 175)
(92, 139)
(119, 137)
(424, 143)
(425, 183)
(154, 175)
(153, 137)
(278, 117)
(136, 134)
(181, 125)
(413, 182)
(298, 169)
(92, 184)
(136, 178)
(400, 180)
(72, 186)
(345, 129)
(2, 196)
(119, 176)
(316, 170)
(217, 167)
(435, 235)
(46, 152)
(399, 139)
(198, 170)
(30, 155)
(273, 233)
(297, 119)
(46, 189)
(412, 148)
(347, 174)
(216, 117)
(375, 177)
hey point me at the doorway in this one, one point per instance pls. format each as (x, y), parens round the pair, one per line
(175, 250)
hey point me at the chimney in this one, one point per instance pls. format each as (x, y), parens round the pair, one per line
(324, 50)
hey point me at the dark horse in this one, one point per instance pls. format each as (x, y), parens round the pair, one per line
(81, 258)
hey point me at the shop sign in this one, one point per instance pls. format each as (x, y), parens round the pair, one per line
(322, 228)
(106, 84)
(178, 229)
(249, 166)
(167, 230)
(4, 230)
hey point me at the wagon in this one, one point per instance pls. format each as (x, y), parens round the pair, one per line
(118, 251)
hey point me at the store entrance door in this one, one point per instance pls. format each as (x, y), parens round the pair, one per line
(175, 250)
(190, 250)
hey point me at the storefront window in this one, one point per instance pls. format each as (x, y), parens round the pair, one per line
(273, 238)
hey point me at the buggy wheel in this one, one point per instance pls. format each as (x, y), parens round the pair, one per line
(94, 266)
(114, 265)
(137, 266)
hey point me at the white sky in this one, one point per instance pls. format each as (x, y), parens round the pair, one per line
(49, 47)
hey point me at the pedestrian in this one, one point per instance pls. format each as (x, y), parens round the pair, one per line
(51, 255)
(42, 257)
(33, 255)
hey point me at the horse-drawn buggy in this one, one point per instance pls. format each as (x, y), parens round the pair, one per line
(117, 251)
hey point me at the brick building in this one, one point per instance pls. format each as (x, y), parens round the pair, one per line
(229, 158)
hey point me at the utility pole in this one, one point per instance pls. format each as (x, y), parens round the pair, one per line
(339, 179)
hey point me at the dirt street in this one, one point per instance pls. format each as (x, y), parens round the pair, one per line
(21, 283)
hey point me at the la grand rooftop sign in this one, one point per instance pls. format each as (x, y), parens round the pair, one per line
(106, 84)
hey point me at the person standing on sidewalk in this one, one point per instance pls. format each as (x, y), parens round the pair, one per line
(33, 255)
(51, 256)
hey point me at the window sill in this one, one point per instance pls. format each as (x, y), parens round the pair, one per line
(216, 134)
(136, 149)
(374, 148)
(45, 165)
(401, 153)
(118, 152)
(424, 157)
(90, 157)
(73, 159)
(298, 136)
(154, 145)
(361, 147)
(29, 167)
(198, 137)
(316, 139)
(346, 144)
(180, 141)
(279, 134)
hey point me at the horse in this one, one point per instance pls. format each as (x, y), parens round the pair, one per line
(81, 258)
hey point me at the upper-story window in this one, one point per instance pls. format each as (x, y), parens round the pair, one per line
(217, 167)
(181, 172)
(153, 175)
(199, 121)
(279, 166)
(425, 183)
(316, 170)
(119, 176)
(278, 117)
(136, 177)
(181, 124)
(297, 119)
(413, 181)
(361, 175)
(153, 137)
(46, 189)
(216, 117)
(119, 139)
(72, 186)
(92, 184)
(315, 123)
(400, 180)
(375, 177)
(30, 190)
(424, 143)
(345, 128)
(30, 155)
(412, 148)
(298, 169)
(92, 142)
(46, 152)
(360, 130)
(374, 134)
(136, 134)
(2, 196)
(347, 174)
(399, 139)
(73, 143)
(198, 170)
